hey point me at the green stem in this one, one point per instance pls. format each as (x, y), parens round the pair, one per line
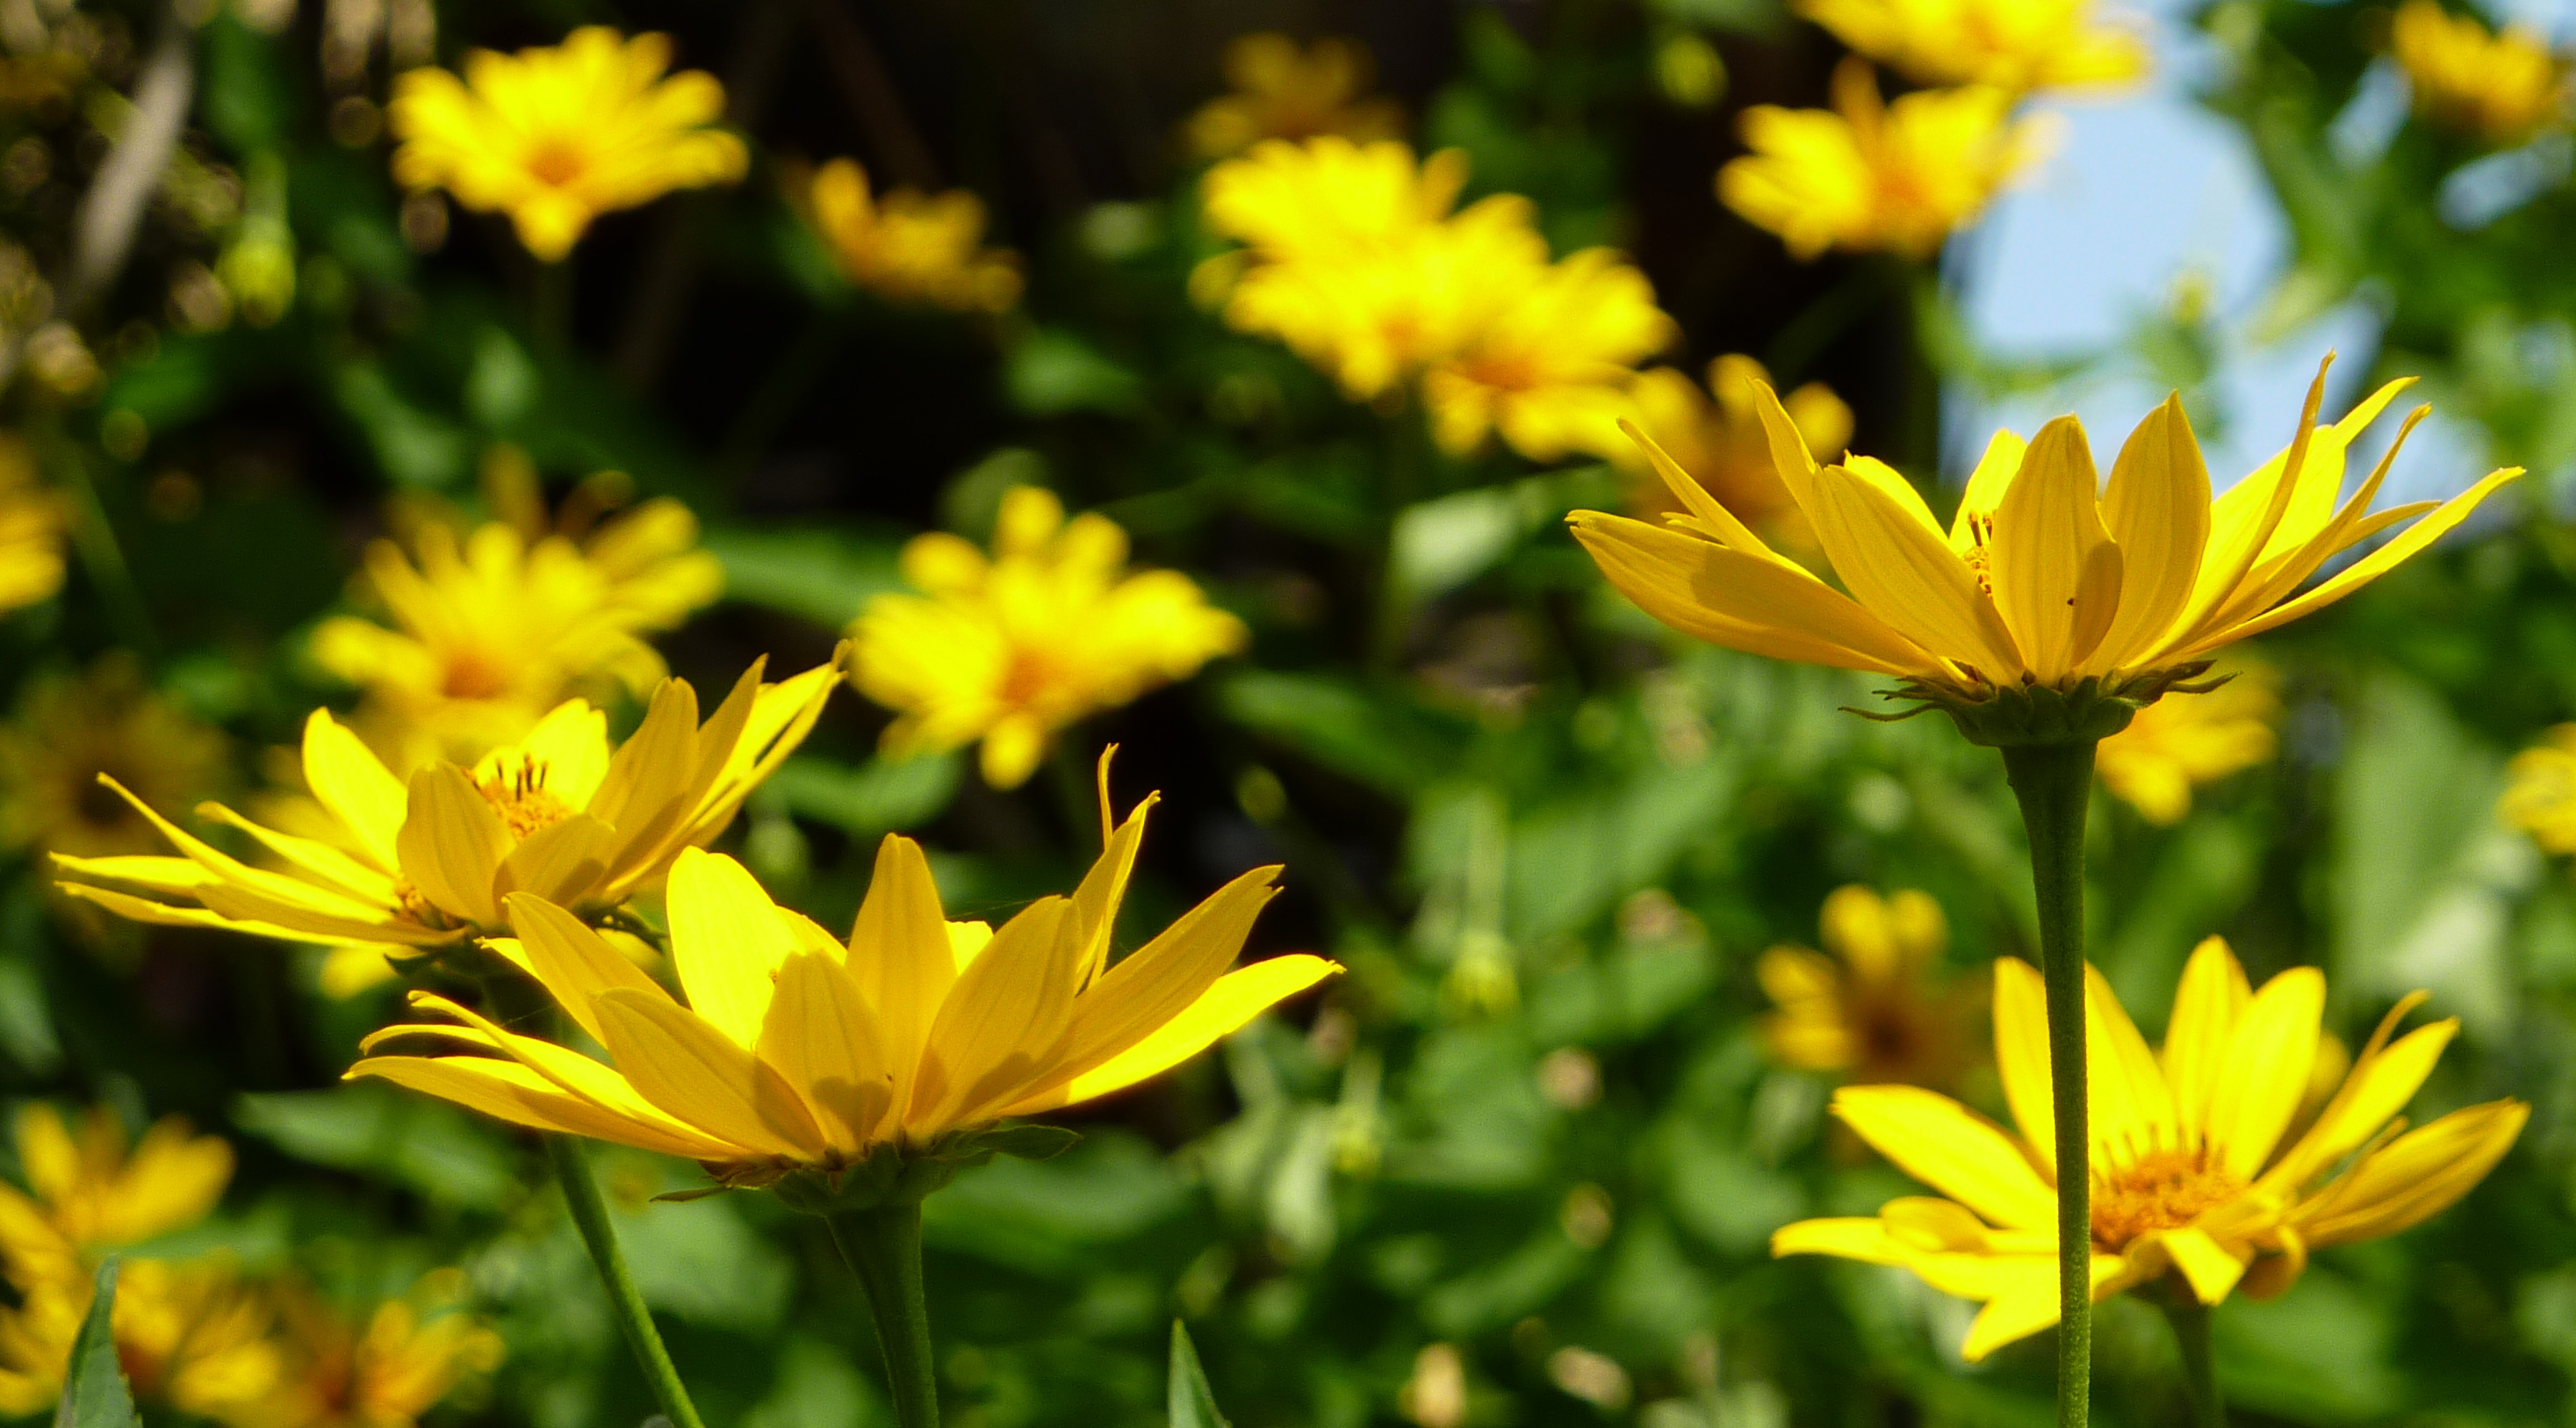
(2190, 1320)
(2055, 785)
(884, 1247)
(625, 1302)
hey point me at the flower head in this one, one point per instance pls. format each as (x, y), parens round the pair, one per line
(1871, 176)
(72, 729)
(401, 1361)
(31, 530)
(2044, 581)
(1283, 91)
(2011, 45)
(2501, 88)
(2190, 1174)
(426, 863)
(2540, 799)
(1721, 444)
(88, 1192)
(555, 136)
(190, 1336)
(1550, 368)
(796, 1052)
(1049, 629)
(1872, 1011)
(908, 246)
(2184, 740)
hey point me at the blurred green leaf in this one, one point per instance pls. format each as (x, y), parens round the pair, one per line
(1193, 1403)
(425, 1145)
(871, 799)
(1441, 545)
(1382, 740)
(94, 1390)
(820, 575)
(1052, 372)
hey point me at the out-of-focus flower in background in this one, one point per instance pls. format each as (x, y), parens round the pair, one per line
(70, 729)
(557, 135)
(1871, 176)
(403, 1360)
(1549, 368)
(1720, 443)
(1286, 91)
(2501, 88)
(1012, 647)
(31, 530)
(2013, 45)
(2540, 797)
(908, 246)
(1877, 1010)
(2191, 1182)
(2184, 740)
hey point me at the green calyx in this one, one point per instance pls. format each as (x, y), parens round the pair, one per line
(891, 1176)
(2031, 715)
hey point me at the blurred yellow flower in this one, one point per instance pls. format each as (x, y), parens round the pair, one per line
(2540, 798)
(427, 864)
(1721, 444)
(31, 530)
(1052, 628)
(411, 1354)
(555, 136)
(1550, 367)
(2502, 88)
(2040, 582)
(2012, 45)
(908, 246)
(1874, 1011)
(1868, 175)
(1283, 91)
(796, 1052)
(2190, 1180)
(90, 1194)
(189, 1336)
(2188, 739)
(70, 730)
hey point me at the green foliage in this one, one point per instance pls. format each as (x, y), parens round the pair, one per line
(95, 1394)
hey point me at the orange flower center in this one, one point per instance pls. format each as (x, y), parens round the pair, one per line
(555, 163)
(471, 676)
(519, 792)
(2161, 1190)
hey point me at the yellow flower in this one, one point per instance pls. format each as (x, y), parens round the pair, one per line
(91, 1195)
(2502, 88)
(2187, 1163)
(493, 628)
(795, 1052)
(71, 730)
(1722, 445)
(31, 530)
(412, 1353)
(1550, 368)
(2039, 582)
(1871, 176)
(1051, 629)
(2541, 797)
(556, 136)
(908, 246)
(426, 865)
(2187, 739)
(190, 1336)
(2012, 45)
(1284, 92)
(1871, 1011)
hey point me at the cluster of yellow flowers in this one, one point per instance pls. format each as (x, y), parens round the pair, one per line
(196, 1336)
(2498, 88)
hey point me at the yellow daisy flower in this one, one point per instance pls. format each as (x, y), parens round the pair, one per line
(2502, 88)
(1872, 1011)
(795, 1052)
(1550, 368)
(907, 246)
(2012, 45)
(69, 731)
(1284, 91)
(2184, 740)
(426, 864)
(405, 1359)
(555, 136)
(1051, 628)
(88, 1193)
(190, 1336)
(2043, 582)
(2540, 798)
(31, 530)
(2189, 1172)
(1873, 176)
(1722, 445)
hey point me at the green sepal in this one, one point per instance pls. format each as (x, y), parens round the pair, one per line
(891, 1176)
(2032, 715)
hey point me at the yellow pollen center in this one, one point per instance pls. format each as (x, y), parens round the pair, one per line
(471, 676)
(519, 792)
(1981, 559)
(555, 164)
(2161, 1190)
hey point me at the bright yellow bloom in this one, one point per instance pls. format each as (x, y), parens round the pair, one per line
(190, 1336)
(2188, 1170)
(427, 865)
(2502, 88)
(31, 530)
(1873, 1011)
(1050, 629)
(71, 730)
(2188, 739)
(1870, 176)
(555, 136)
(907, 246)
(494, 629)
(412, 1353)
(2541, 798)
(1722, 445)
(1282, 91)
(796, 1052)
(2012, 45)
(90, 1195)
(2042, 580)
(1549, 369)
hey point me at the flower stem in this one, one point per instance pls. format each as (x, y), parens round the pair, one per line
(884, 1247)
(625, 1302)
(2055, 784)
(2190, 1320)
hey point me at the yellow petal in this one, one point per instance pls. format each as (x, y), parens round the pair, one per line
(2157, 510)
(163, 914)
(572, 744)
(1731, 532)
(900, 957)
(1794, 976)
(2021, 1056)
(1095, 902)
(1741, 601)
(506, 1090)
(354, 785)
(1973, 523)
(1950, 1148)
(2242, 521)
(572, 962)
(705, 1078)
(2383, 1079)
(2211, 996)
(1222, 1010)
(2415, 1177)
(1902, 571)
(2022, 1298)
(1000, 1024)
(451, 845)
(727, 941)
(1788, 446)
(2210, 1270)
(2266, 1075)
(1157, 982)
(2046, 532)
(561, 862)
(1866, 1240)
(640, 795)
(2128, 1104)
(329, 864)
(823, 1039)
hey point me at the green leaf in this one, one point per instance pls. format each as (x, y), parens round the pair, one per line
(1029, 1142)
(1193, 1405)
(450, 1158)
(871, 799)
(1054, 372)
(94, 1391)
(1387, 743)
(823, 575)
